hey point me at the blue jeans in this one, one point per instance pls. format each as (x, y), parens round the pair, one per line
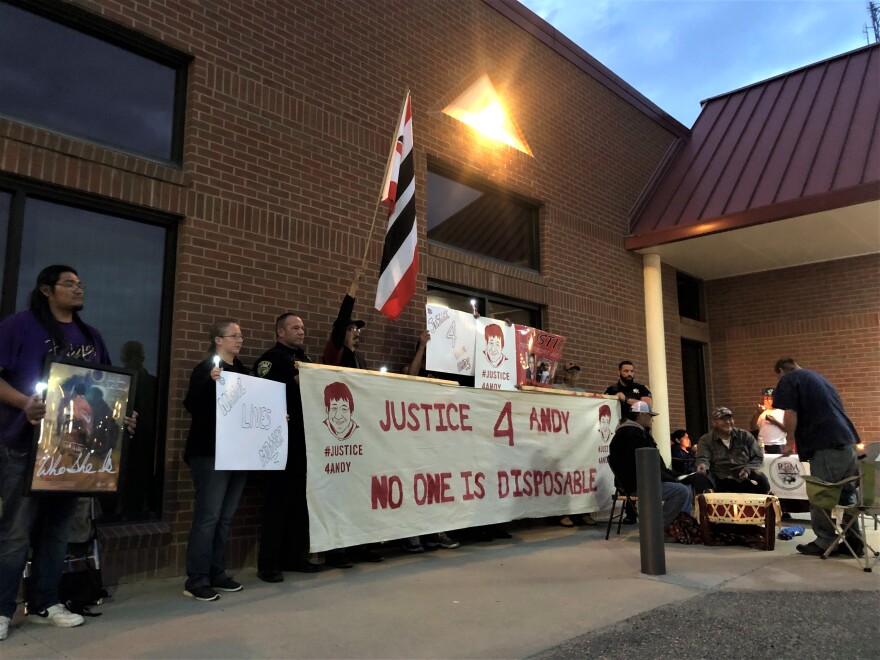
(46, 519)
(217, 496)
(833, 465)
(677, 498)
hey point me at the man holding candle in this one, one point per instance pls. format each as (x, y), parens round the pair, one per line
(51, 325)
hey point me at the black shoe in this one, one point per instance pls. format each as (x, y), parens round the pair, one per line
(305, 567)
(338, 560)
(813, 550)
(205, 593)
(228, 584)
(630, 520)
(786, 516)
(270, 576)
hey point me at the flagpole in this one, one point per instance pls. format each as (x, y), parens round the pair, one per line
(384, 178)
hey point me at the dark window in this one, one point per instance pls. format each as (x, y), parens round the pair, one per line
(690, 297)
(474, 217)
(126, 261)
(66, 80)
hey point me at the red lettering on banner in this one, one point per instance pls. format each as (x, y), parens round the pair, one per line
(440, 407)
(452, 425)
(463, 417)
(503, 485)
(413, 423)
(416, 416)
(534, 483)
(508, 417)
(479, 492)
(427, 408)
(383, 492)
(432, 488)
(549, 420)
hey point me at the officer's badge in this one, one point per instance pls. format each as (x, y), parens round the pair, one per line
(263, 368)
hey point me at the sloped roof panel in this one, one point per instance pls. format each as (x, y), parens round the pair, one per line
(757, 153)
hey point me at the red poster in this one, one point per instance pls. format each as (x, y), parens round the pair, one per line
(537, 355)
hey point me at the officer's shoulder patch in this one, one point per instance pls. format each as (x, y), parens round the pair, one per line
(263, 368)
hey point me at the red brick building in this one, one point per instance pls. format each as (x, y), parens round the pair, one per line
(223, 159)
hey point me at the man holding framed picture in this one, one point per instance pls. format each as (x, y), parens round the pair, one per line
(50, 326)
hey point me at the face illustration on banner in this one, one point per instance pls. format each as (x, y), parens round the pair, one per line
(605, 422)
(339, 404)
(494, 345)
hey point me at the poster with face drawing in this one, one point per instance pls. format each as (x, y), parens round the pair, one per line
(453, 333)
(495, 355)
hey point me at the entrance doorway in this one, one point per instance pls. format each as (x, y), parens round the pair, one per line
(693, 369)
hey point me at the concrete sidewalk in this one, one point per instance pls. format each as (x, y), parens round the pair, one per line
(531, 595)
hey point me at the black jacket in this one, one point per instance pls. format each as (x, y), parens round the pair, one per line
(201, 403)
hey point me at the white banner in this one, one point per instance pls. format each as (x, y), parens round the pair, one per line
(451, 349)
(251, 423)
(392, 457)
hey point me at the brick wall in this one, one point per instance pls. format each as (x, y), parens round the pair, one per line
(826, 316)
(290, 107)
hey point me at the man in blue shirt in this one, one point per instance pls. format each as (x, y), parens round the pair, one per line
(817, 425)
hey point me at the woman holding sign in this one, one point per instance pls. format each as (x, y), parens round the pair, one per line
(217, 491)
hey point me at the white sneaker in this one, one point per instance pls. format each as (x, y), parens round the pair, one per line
(4, 627)
(57, 615)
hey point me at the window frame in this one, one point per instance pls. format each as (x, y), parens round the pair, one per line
(137, 43)
(476, 182)
(22, 189)
(483, 299)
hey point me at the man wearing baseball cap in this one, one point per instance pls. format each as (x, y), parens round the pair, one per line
(633, 434)
(731, 457)
(341, 348)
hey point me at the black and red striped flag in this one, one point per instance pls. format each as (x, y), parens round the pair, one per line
(400, 255)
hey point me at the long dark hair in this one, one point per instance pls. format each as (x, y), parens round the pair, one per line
(39, 307)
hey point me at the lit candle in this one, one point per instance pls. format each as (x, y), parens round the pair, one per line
(216, 359)
(383, 369)
(474, 305)
(40, 389)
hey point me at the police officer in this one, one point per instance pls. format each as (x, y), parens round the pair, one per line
(284, 539)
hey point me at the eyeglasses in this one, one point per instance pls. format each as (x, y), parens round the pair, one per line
(71, 284)
(236, 336)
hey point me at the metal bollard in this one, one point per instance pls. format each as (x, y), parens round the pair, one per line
(652, 549)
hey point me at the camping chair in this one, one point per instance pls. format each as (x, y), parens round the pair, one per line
(626, 501)
(866, 507)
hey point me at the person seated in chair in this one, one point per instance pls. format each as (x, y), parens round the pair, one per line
(683, 455)
(633, 434)
(731, 457)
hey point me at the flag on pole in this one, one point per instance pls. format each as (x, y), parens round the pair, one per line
(400, 255)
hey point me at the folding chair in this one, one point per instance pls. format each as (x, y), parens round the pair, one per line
(867, 506)
(626, 500)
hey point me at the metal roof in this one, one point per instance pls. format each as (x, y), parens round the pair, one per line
(801, 143)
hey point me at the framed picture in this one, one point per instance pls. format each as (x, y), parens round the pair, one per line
(78, 445)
